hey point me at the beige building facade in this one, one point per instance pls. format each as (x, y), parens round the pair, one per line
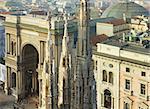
(112, 27)
(26, 41)
(126, 66)
(106, 71)
(26, 46)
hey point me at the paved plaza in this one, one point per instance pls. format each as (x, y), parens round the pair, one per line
(6, 102)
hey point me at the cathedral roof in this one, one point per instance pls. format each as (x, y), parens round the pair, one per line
(128, 8)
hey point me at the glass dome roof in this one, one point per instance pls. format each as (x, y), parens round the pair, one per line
(130, 9)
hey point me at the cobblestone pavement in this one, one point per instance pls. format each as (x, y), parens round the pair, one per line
(6, 102)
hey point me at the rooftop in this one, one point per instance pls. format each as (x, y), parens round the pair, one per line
(41, 20)
(127, 45)
(116, 22)
(98, 39)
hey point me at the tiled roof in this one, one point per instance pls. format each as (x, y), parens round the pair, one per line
(116, 22)
(98, 39)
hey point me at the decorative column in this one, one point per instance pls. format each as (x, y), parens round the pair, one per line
(19, 75)
(8, 81)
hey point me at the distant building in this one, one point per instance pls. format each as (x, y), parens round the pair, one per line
(112, 27)
(139, 23)
(129, 9)
(8, 5)
(119, 27)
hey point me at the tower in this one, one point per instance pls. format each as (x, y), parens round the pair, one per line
(83, 80)
(64, 71)
(48, 70)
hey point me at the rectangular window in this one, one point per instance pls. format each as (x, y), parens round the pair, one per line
(40, 89)
(95, 65)
(104, 75)
(102, 100)
(127, 84)
(82, 47)
(110, 77)
(127, 69)
(13, 80)
(13, 48)
(42, 50)
(8, 43)
(80, 95)
(9, 75)
(143, 89)
(143, 73)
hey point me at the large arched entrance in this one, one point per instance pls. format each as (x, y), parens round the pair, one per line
(30, 60)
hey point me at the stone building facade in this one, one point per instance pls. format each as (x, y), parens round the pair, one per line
(121, 71)
(26, 39)
(106, 72)
(25, 54)
(36, 54)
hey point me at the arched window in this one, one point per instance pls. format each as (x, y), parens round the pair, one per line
(13, 80)
(126, 106)
(107, 99)
(104, 75)
(110, 77)
(13, 47)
